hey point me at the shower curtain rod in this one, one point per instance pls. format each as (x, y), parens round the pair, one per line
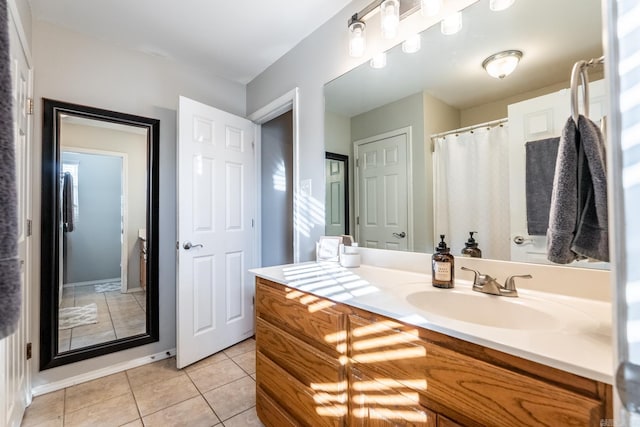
(492, 123)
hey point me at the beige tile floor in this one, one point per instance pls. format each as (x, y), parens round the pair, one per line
(119, 315)
(217, 391)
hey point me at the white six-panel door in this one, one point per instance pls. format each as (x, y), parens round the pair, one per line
(15, 391)
(216, 239)
(382, 192)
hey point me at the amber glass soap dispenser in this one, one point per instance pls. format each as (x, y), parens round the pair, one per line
(471, 248)
(442, 266)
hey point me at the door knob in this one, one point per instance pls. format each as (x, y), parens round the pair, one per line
(400, 235)
(521, 240)
(188, 245)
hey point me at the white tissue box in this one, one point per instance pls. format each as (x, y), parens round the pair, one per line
(350, 260)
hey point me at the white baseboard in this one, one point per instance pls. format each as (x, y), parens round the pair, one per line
(99, 373)
(91, 282)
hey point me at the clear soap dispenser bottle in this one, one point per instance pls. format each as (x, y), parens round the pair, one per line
(471, 248)
(442, 263)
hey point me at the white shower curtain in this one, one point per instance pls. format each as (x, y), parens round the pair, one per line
(472, 190)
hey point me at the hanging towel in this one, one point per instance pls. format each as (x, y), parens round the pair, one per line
(9, 263)
(540, 168)
(67, 202)
(578, 222)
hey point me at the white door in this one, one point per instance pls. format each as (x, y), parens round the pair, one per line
(335, 219)
(382, 193)
(531, 120)
(216, 239)
(14, 368)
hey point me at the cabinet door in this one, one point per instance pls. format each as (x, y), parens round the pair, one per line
(446, 422)
(383, 402)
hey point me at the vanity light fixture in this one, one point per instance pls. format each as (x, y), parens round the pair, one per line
(430, 7)
(411, 44)
(357, 40)
(501, 64)
(390, 18)
(379, 60)
(451, 24)
(498, 5)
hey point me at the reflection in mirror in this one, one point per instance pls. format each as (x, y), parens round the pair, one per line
(99, 275)
(337, 194)
(448, 107)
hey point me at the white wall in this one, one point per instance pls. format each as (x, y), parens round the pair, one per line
(74, 68)
(315, 61)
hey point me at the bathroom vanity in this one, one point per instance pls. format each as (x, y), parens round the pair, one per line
(359, 347)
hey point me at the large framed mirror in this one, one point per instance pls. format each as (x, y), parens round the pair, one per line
(99, 274)
(421, 130)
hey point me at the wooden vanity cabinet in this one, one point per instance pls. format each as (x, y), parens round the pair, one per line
(321, 363)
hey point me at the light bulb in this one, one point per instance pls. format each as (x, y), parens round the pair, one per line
(379, 60)
(451, 24)
(430, 7)
(411, 44)
(390, 18)
(357, 40)
(497, 5)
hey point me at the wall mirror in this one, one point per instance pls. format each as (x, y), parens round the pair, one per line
(99, 279)
(336, 215)
(420, 115)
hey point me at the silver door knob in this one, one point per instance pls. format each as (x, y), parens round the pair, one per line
(521, 240)
(188, 245)
(400, 235)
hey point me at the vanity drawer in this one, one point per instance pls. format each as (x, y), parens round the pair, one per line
(309, 407)
(460, 384)
(309, 317)
(306, 363)
(270, 413)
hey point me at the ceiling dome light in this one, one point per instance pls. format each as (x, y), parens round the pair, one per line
(411, 44)
(497, 5)
(379, 60)
(451, 24)
(390, 18)
(501, 64)
(357, 40)
(430, 7)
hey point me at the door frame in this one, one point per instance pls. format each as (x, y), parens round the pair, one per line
(124, 157)
(356, 201)
(287, 102)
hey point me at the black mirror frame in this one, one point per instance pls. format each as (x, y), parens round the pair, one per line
(345, 160)
(49, 355)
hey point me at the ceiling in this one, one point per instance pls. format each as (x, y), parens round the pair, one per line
(552, 34)
(236, 39)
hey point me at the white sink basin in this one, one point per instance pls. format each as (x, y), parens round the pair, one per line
(483, 309)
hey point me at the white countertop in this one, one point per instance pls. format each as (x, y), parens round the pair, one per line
(578, 340)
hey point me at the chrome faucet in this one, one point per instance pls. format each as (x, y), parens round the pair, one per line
(488, 285)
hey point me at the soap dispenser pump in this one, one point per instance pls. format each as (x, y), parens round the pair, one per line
(442, 263)
(471, 248)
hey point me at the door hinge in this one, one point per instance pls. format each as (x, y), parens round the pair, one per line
(177, 246)
(29, 227)
(253, 300)
(357, 163)
(29, 106)
(253, 145)
(253, 223)
(28, 350)
(357, 220)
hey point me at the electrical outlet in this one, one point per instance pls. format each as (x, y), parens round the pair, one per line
(305, 187)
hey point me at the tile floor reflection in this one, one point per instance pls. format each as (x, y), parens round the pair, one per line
(217, 391)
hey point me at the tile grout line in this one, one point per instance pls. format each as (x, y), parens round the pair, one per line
(135, 401)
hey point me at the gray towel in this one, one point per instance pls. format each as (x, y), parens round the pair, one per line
(578, 222)
(9, 263)
(67, 202)
(540, 168)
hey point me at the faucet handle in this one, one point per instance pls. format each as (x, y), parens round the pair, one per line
(478, 279)
(510, 283)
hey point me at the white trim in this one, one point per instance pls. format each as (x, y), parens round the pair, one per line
(124, 244)
(102, 372)
(22, 35)
(408, 131)
(275, 108)
(91, 282)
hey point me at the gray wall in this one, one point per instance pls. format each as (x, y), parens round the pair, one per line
(93, 249)
(276, 195)
(72, 67)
